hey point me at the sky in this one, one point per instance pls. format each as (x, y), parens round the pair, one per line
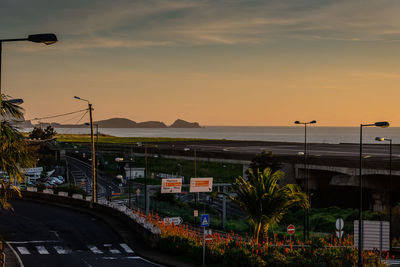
(216, 62)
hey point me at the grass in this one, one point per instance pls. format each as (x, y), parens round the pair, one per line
(221, 172)
(103, 138)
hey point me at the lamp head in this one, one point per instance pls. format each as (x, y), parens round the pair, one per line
(383, 124)
(16, 101)
(314, 121)
(119, 159)
(296, 122)
(45, 38)
(77, 97)
(379, 139)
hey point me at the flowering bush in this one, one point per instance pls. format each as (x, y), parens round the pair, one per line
(235, 250)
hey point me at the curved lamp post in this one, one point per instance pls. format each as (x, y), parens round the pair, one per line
(44, 38)
(380, 139)
(306, 230)
(94, 198)
(382, 124)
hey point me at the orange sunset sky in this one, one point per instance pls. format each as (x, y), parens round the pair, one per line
(214, 62)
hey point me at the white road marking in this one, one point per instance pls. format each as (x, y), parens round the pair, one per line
(42, 250)
(61, 250)
(115, 251)
(126, 248)
(34, 241)
(95, 250)
(23, 250)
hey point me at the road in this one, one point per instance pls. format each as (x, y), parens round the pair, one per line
(339, 150)
(44, 235)
(106, 184)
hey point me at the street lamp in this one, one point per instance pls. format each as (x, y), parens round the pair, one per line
(46, 38)
(382, 124)
(94, 199)
(306, 230)
(380, 139)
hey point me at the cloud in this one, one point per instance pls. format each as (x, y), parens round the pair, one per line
(141, 23)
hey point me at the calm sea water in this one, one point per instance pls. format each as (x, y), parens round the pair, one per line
(330, 135)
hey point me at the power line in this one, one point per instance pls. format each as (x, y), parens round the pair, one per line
(60, 115)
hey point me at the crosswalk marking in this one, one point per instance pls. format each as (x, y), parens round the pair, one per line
(61, 250)
(126, 248)
(95, 250)
(115, 251)
(42, 250)
(23, 250)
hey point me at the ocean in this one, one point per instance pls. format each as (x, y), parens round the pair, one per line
(328, 135)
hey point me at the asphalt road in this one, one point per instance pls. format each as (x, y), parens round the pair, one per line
(338, 150)
(44, 235)
(106, 184)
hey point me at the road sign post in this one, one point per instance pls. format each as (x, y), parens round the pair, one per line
(204, 222)
(173, 220)
(339, 229)
(291, 230)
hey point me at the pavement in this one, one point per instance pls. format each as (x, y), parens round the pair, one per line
(46, 235)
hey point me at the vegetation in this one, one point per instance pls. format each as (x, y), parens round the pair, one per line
(222, 172)
(14, 151)
(234, 250)
(262, 161)
(42, 134)
(264, 201)
(103, 138)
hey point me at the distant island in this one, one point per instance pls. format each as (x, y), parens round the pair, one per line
(118, 123)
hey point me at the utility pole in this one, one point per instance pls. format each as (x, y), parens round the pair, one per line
(94, 199)
(145, 179)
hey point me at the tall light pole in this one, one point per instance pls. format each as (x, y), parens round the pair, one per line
(382, 124)
(46, 38)
(94, 198)
(391, 188)
(306, 230)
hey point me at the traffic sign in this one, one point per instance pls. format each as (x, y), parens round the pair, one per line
(201, 185)
(205, 220)
(173, 185)
(291, 229)
(339, 224)
(173, 220)
(208, 238)
(339, 234)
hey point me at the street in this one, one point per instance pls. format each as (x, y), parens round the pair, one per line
(44, 235)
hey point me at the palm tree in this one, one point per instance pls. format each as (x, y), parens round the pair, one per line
(14, 152)
(264, 201)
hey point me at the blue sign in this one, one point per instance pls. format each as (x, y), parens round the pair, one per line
(205, 220)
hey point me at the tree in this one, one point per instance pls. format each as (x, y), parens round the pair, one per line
(262, 161)
(39, 133)
(14, 152)
(264, 201)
